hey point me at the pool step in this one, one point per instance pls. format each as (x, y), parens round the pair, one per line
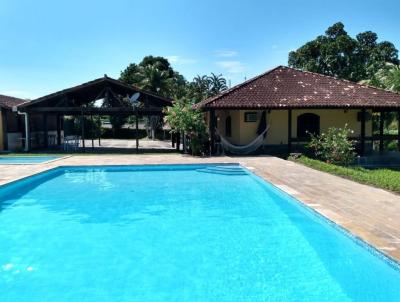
(224, 170)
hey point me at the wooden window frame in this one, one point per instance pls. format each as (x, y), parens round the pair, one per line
(249, 114)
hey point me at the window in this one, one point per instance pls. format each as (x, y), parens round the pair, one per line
(250, 117)
(307, 123)
(228, 126)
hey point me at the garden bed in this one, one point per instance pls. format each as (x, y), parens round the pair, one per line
(382, 178)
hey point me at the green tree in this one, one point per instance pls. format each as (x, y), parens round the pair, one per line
(218, 84)
(387, 77)
(155, 74)
(153, 79)
(203, 87)
(199, 88)
(337, 54)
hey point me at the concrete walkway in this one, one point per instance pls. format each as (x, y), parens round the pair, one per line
(370, 213)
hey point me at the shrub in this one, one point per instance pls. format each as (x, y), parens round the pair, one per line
(333, 146)
(182, 118)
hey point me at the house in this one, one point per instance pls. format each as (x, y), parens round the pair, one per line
(295, 103)
(11, 124)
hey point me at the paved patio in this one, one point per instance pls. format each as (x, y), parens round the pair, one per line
(370, 213)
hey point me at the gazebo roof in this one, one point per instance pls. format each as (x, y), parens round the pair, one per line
(285, 87)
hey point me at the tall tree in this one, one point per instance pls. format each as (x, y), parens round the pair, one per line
(203, 87)
(386, 78)
(218, 84)
(337, 54)
(199, 88)
(151, 78)
(155, 74)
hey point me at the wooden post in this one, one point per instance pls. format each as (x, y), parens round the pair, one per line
(3, 112)
(184, 143)
(178, 141)
(91, 119)
(212, 131)
(381, 124)
(45, 131)
(398, 130)
(28, 133)
(83, 130)
(362, 147)
(137, 129)
(58, 130)
(289, 131)
(99, 133)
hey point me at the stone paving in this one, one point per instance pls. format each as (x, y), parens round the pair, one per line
(369, 213)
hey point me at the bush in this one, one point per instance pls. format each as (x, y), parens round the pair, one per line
(183, 119)
(333, 146)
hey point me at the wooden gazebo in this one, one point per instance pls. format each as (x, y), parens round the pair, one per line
(48, 111)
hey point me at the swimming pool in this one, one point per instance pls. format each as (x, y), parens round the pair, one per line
(176, 233)
(10, 160)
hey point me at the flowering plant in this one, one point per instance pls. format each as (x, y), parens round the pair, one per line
(334, 146)
(182, 118)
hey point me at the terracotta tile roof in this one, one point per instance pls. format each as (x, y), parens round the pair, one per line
(285, 87)
(9, 101)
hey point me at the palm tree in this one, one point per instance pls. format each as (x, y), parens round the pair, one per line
(200, 87)
(391, 77)
(218, 84)
(153, 79)
(387, 78)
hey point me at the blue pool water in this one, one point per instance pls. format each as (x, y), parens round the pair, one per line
(176, 233)
(7, 160)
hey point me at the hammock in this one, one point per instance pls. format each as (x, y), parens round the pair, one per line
(245, 149)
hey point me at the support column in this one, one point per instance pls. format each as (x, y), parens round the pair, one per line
(92, 126)
(45, 131)
(27, 133)
(137, 129)
(178, 141)
(362, 146)
(398, 130)
(3, 112)
(212, 131)
(381, 124)
(83, 130)
(58, 130)
(289, 131)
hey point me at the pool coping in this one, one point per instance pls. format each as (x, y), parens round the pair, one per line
(38, 163)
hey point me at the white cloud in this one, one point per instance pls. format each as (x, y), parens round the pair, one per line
(180, 60)
(226, 53)
(231, 66)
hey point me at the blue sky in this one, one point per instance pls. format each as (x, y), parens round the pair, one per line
(48, 45)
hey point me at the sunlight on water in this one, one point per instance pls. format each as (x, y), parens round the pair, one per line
(175, 233)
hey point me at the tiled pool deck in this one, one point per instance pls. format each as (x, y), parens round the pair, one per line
(369, 213)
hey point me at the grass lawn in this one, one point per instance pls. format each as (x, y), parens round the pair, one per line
(381, 178)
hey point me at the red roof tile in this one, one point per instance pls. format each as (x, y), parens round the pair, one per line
(9, 101)
(285, 87)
